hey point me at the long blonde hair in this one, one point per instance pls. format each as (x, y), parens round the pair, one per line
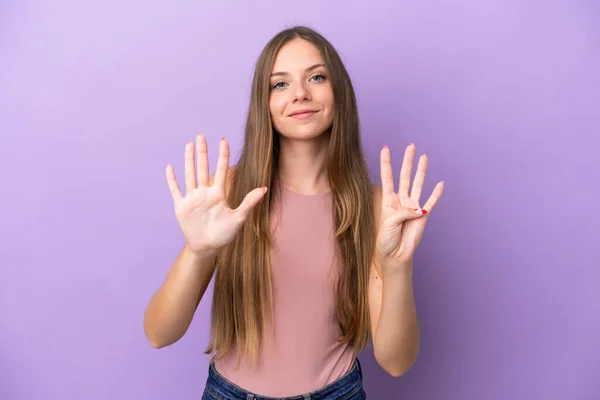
(243, 297)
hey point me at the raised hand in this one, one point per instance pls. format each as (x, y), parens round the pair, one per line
(206, 220)
(402, 218)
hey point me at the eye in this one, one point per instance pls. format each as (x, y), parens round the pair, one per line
(278, 85)
(319, 78)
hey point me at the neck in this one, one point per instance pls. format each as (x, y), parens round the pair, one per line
(303, 164)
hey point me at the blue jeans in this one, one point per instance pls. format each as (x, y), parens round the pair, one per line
(348, 387)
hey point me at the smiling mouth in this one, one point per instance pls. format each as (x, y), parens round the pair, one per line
(303, 115)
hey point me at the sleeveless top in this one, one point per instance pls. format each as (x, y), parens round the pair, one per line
(301, 352)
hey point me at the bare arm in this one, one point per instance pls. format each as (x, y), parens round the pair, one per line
(395, 329)
(400, 227)
(171, 309)
(207, 223)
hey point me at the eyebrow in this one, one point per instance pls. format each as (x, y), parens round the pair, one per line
(308, 69)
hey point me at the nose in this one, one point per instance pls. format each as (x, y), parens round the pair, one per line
(301, 93)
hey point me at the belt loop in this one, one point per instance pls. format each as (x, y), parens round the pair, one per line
(250, 396)
(306, 397)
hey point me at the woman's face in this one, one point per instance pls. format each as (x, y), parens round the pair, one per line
(301, 98)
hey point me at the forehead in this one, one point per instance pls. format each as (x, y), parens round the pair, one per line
(297, 54)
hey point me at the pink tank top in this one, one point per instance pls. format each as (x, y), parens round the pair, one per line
(302, 353)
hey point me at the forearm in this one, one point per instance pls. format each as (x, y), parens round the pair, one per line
(397, 337)
(172, 307)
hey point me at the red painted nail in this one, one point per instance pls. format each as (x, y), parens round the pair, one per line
(424, 212)
(223, 138)
(385, 146)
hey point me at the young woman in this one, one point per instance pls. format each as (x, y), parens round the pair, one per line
(311, 259)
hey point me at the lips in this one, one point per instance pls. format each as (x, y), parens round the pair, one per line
(302, 113)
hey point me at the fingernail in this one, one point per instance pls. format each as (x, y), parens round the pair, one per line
(424, 212)
(420, 211)
(264, 190)
(385, 146)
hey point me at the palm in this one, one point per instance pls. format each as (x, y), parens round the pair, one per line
(206, 220)
(205, 213)
(398, 235)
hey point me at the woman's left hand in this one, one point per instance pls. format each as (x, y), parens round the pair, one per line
(402, 218)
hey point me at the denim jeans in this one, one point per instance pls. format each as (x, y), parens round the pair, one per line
(347, 387)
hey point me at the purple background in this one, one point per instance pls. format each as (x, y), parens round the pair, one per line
(98, 96)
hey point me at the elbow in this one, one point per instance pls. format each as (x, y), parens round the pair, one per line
(158, 341)
(154, 339)
(396, 368)
(156, 344)
(396, 372)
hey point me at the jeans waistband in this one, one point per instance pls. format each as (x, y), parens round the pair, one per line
(346, 385)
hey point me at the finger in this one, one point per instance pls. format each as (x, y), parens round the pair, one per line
(435, 196)
(222, 165)
(249, 202)
(387, 176)
(417, 186)
(406, 171)
(190, 169)
(405, 214)
(173, 186)
(202, 160)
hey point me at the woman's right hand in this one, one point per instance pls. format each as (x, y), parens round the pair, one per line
(206, 220)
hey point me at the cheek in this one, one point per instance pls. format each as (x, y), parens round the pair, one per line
(276, 110)
(276, 106)
(330, 105)
(327, 98)
(330, 98)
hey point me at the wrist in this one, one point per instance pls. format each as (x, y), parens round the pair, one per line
(396, 267)
(201, 254)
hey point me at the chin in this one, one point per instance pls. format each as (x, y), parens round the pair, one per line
(304, 133)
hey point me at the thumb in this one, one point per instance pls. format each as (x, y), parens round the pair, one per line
(249, 202)
(406, 214)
